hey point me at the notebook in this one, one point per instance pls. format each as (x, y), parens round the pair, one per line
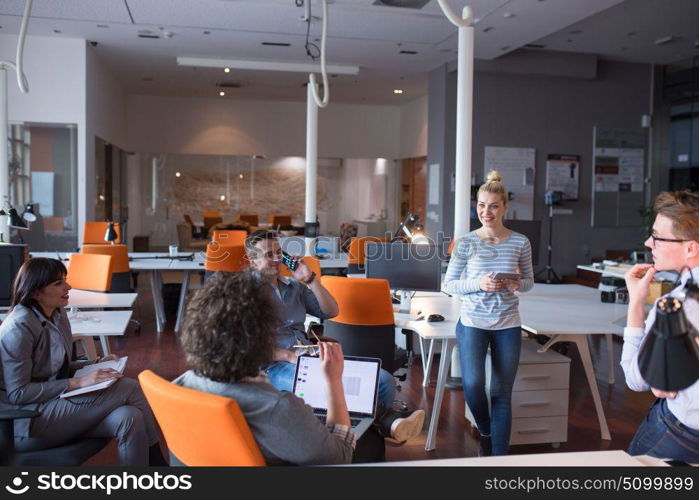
(360, 381)
(119, 366)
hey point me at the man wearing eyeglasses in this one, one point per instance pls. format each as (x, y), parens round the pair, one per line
(671, 428)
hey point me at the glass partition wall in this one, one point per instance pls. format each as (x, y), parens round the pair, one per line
(43, 180)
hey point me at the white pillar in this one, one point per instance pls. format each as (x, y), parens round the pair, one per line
(464, 132)
(464, 129)
(4, 167)
(311, 163)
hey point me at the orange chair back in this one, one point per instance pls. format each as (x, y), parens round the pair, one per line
(361, 301)
(280, 220)
(119, 254)
(201, 429)
(227, 258)
(312, 262)
(251, 219)
(55, 224)
(451, 246)
(357, 249)
(90, 272)
(93, 232)
(230, 236)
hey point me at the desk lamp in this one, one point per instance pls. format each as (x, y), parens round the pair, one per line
(410, 230)
(669, 357)
(29, 214)
(111, 234)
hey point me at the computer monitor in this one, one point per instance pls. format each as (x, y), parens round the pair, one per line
(407, 267)
(11, 259)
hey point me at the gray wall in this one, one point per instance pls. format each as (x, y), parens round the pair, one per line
(553, 114)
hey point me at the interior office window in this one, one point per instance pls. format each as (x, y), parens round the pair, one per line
(43, 178)
(111, 184)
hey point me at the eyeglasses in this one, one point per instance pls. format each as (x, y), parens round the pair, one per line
(656, 239)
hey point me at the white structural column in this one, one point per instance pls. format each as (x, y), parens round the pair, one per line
(4, 167)
(464, 132)
(464, 117)
(311, 162)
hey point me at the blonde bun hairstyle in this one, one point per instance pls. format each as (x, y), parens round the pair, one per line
(493, 185)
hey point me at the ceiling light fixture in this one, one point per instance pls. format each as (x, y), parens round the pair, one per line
(177, 174)
(226, 70)
(666, 39)
(398, 91)
(263, 65)
(222, 93)
(508, 15)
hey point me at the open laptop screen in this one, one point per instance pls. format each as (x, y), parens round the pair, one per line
(359, 380)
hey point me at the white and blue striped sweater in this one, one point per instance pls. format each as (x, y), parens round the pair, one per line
(473, 258)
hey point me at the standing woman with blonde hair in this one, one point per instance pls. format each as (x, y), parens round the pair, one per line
(489, 312)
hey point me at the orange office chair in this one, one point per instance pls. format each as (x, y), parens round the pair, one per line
(227, 258)
(211, 217)
(121, 271)
(312, 262)
(357, 253)
(280, 220)
(90, 272)
(451, 247)
(200, 429)
(93, 232)
(251, 219)
(365, 324)
(229, 237)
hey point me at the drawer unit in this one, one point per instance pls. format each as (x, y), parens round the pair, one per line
(539, 396)
(539, 430)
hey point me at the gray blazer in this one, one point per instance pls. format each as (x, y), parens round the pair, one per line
(25, 361)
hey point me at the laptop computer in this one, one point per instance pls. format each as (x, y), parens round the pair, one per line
(360, 381)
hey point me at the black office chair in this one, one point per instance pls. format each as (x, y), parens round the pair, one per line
(74, 453)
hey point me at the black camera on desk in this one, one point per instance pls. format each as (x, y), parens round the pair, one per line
(613, 290)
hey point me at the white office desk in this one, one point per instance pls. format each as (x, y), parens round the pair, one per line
(612, 458)
(157, 262)
(85, 299)
(108, 324)
(564, 312)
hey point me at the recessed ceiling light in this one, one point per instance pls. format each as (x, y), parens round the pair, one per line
(207, 32)
(241, 176)
(177, 174)
(666, 39)
(508, 15)
(411, 52)
(222, 93)
(222, 197)
(226, 70)
(397, 91)
(489, 28)
(57, 31)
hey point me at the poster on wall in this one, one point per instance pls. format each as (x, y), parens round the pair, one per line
(518, 169)
(563, 174)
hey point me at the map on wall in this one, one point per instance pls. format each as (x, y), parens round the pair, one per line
(518, 169)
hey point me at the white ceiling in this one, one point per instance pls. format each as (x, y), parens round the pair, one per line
(360, 33)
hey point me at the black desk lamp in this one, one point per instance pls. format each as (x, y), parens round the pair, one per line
(669, 357)
(29, 214)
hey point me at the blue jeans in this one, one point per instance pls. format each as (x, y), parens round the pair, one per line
(504, 354)
(281, 376)
(661, 435)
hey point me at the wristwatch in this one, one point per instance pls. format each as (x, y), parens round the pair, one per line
(310, 280)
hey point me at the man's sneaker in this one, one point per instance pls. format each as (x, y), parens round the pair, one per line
(403, 429)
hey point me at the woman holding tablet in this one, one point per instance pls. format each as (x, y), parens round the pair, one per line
(36, 367)
(489, 312)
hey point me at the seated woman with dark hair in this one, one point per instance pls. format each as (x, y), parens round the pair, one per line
(226, 340)
(36, 368)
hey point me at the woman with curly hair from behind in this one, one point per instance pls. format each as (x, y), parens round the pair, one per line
(228, 334)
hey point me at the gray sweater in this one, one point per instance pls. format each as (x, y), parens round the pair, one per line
(284, 427)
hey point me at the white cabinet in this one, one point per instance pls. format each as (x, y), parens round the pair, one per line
(539, 396)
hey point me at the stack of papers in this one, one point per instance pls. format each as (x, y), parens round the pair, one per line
(114, 365)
